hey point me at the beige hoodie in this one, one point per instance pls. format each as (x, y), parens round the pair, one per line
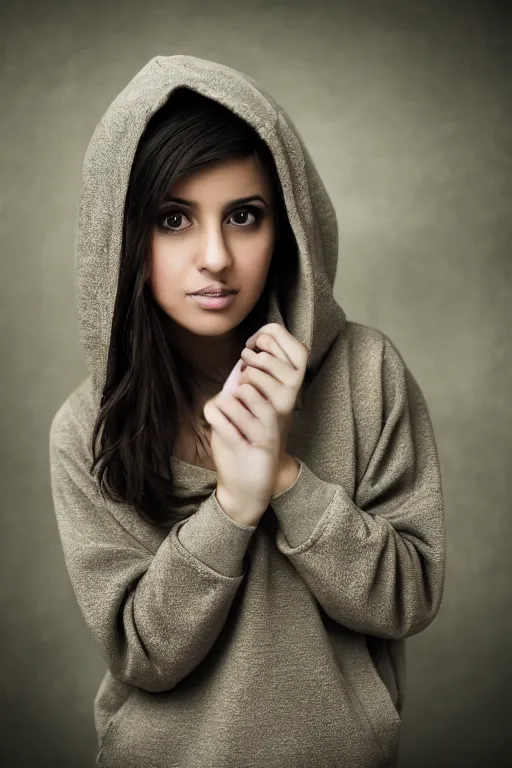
(282, 644)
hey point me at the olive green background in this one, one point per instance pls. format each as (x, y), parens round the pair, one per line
(406, 108)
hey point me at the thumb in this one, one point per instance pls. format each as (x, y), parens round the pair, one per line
(233, 380)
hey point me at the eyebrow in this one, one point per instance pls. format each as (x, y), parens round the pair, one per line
(193, 204)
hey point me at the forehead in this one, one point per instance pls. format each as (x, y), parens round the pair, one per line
(229, 179)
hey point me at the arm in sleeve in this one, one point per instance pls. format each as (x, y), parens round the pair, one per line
(154, 616)
(376, 564)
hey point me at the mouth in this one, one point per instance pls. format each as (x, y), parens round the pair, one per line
(215, 294)
(213, 301)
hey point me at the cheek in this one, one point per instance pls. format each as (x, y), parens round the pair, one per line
(255, 262)
(165, 272)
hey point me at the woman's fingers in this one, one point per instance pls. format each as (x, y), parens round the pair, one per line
(224, 427)
(280, 394)
(248, 411)
(295, 350)
(282, 371)
(268, 343)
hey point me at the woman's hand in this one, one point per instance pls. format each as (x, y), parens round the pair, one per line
(277, 371)
(251, 419)
(245, 444)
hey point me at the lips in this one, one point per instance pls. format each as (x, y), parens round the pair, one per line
(213, 302)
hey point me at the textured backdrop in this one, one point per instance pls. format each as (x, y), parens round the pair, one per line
(406, 109)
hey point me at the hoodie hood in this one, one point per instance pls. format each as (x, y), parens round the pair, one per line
(314, 317)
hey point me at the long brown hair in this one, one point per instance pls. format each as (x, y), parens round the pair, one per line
(151, 386)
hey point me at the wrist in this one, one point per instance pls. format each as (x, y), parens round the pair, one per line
(288, 473)
(239, 512)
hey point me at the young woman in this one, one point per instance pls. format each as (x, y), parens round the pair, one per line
(247, 489)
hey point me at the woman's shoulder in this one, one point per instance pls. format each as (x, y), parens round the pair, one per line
(74, 420)
(366, 346)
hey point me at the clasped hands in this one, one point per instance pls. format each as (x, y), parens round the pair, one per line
(273, 362)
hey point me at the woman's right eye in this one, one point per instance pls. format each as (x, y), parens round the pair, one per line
(171, 217)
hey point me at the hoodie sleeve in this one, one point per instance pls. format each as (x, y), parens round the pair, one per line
(375, 563)
(154, 615)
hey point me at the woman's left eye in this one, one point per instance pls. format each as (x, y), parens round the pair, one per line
(255, 212)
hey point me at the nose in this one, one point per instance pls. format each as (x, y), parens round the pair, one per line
(214, 251)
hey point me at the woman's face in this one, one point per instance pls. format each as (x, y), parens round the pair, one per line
(213, 238)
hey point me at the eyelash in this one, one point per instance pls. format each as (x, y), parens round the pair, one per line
(253, 209)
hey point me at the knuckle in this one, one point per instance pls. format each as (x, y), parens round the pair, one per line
(246, 389)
